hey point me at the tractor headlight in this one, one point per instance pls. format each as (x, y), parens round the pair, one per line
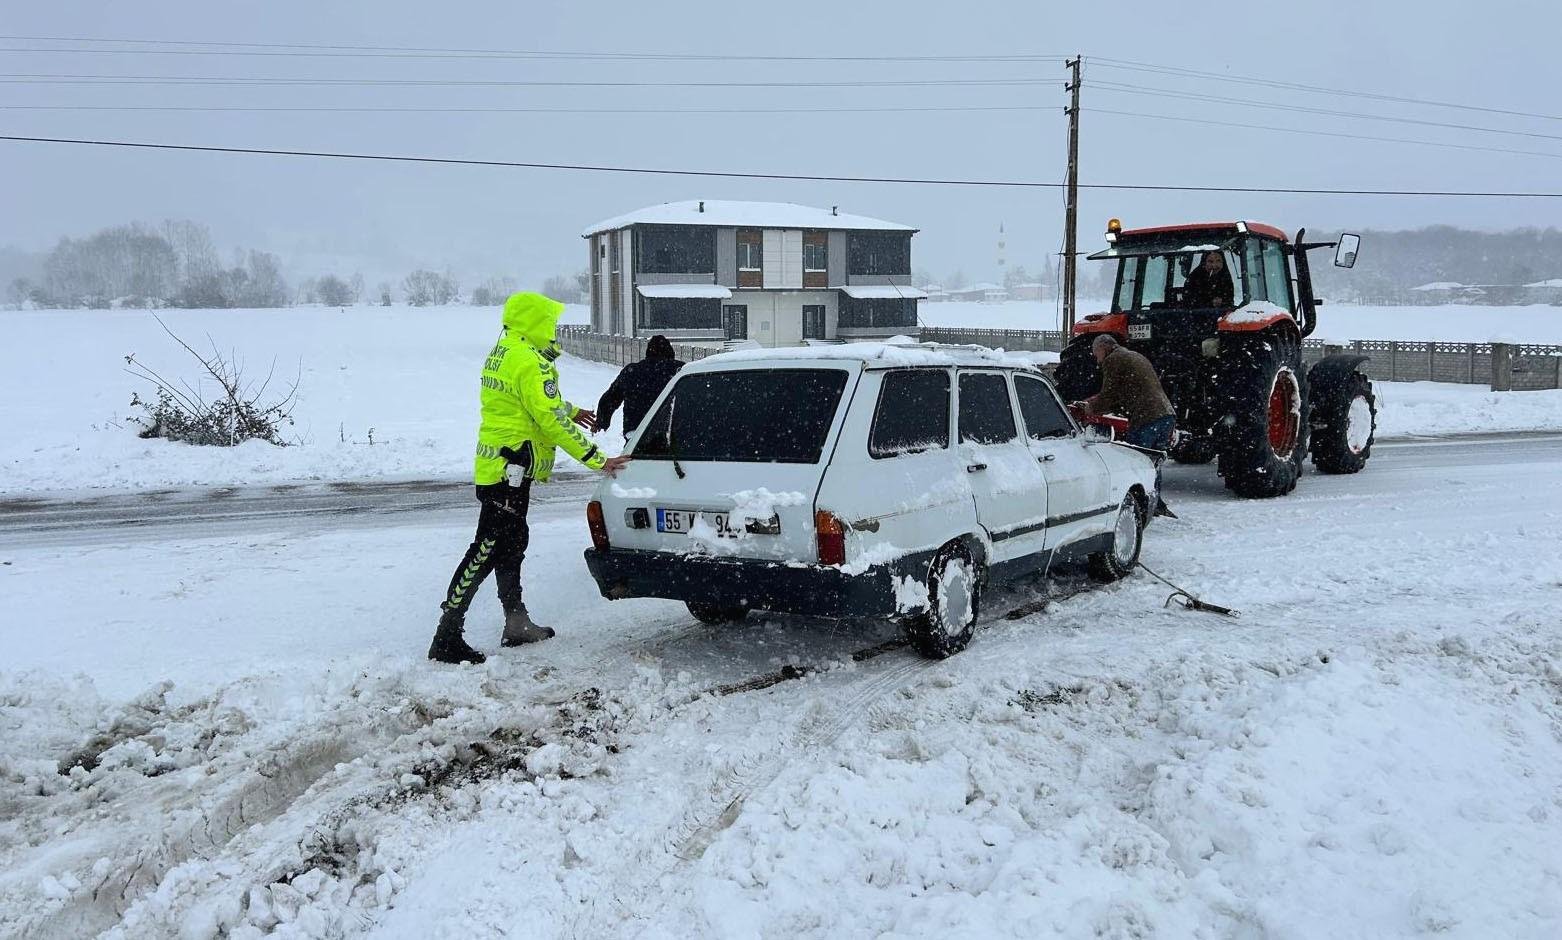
(1210, 347)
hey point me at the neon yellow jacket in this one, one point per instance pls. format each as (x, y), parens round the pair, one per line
(521, 405)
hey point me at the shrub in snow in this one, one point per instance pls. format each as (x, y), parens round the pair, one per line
(239, 411)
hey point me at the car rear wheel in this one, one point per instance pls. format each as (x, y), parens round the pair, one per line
(1127, 538)
(954, 589)
(717, 615)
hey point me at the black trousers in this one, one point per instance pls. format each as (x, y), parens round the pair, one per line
(499, 547)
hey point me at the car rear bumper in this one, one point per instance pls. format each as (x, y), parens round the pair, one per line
(812, 590)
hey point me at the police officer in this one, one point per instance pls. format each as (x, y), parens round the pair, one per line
(524, 418)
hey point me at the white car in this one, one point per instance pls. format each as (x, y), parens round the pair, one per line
(862, 480)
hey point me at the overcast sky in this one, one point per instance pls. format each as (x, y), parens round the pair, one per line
(385, 218)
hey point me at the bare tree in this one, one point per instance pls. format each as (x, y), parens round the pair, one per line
(333, 291)
(355, 284)
(424, 288)
(561, 288)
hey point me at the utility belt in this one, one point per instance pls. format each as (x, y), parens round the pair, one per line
(521, 463)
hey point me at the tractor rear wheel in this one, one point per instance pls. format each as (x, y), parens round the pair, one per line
(1347, 420)
(1262, 449)
(1078, 376)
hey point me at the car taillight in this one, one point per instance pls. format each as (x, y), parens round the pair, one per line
(832, 538)
(598, 526)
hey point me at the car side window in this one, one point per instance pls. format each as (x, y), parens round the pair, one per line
(986, 417)
(912, 414)
(1044, 417)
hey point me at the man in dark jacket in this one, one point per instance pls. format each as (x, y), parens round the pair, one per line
(1209, 285)
(638, 385)
(1130, 387)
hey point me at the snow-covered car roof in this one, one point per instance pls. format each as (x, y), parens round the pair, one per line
(869, 355)
(728, 213)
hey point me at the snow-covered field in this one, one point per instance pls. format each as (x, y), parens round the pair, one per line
(405, 378)
(236, 734)
(1453, 323)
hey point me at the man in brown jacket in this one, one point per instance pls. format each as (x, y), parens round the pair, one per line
(1130, 387)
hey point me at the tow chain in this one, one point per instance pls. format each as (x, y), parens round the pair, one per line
(1186, 599)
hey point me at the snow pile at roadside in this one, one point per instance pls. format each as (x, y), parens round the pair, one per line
(1417, 408)
(384, 393)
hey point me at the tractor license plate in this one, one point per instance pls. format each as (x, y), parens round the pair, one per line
(680, 521)
(1138, 331)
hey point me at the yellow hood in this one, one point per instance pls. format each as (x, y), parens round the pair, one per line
(533, 317)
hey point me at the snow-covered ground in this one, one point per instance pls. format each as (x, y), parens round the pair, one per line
(1453, 323)
(406, 378)
(1373, 749)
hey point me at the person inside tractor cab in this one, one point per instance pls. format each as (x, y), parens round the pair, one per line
(1209, 285)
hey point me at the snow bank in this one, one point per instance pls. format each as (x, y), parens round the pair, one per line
(1453, 323)
(384, 392)
(1422, 408)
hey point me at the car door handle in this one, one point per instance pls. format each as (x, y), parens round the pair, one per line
(1046, 457)
(974, 467)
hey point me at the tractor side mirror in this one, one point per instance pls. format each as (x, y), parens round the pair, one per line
(1345, 251)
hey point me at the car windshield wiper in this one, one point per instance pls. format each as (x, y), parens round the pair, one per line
(672, 447)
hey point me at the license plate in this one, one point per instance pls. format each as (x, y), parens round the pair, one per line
(680, 521)
(1138, 331)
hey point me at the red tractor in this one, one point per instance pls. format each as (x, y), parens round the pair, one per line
(1220, 309)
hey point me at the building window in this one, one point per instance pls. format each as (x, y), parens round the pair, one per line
(816, 251)
(751, 258)
(878, 253)
(680, 313)
(816, 259)
(890, 313)
(750, 250)
(676, 249)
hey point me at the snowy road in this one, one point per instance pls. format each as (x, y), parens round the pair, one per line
(1373, 749)
(96, 517)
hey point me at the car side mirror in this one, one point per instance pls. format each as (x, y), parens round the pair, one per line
(1345, 251)
(1098, 434)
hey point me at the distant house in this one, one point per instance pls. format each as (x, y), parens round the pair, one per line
(934, 292)
(1544, 292)
(1029, 290)
(775, 273)
(979, 293)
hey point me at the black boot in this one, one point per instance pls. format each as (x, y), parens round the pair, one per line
(448, 645)
(520, 629)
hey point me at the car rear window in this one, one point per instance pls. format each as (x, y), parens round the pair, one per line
(985, 414)
(912, 413)
(745, 416)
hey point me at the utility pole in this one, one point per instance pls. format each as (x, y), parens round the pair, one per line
(1071, 199)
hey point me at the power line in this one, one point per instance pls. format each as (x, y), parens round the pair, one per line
(1316, 133)
(488, 110)
(1127, 65)
(1123, 88)
(1016, 184)
(23, 78)
(234, 48)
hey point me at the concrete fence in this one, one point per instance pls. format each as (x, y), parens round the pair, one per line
(1501, 366)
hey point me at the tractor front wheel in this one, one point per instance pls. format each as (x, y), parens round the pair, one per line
(1265, 439)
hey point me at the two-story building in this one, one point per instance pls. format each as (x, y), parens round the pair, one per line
(775, 273)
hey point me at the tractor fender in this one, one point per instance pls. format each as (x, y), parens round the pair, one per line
(1244, 321)
(1114, 323)
(1330, 372)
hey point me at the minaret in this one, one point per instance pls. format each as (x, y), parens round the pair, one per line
(1001, 261)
